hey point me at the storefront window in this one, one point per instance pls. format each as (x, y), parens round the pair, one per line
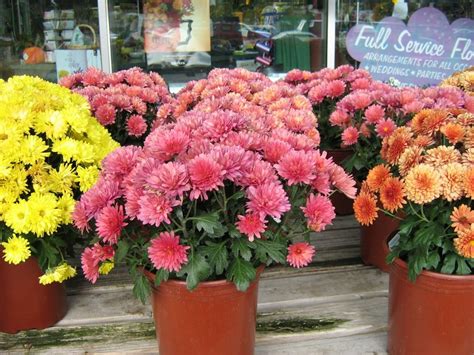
(350, 12)
(184, 39)
(48, 38)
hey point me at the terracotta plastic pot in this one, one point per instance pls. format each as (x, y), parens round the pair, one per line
(374, 239)
(342, 204)
(24, 302)
(434, 315)
(213, 319)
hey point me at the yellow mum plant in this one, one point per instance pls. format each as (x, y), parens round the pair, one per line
(429, 180)
(50, 152)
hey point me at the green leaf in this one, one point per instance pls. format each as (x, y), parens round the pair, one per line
(241, 272)
(240, 247)
(449, 264)
(462, 267)
(433, 261)
(161, 276)
(197, 269)
(270, 249)
(217, 256)
(141, 287)
(122, 250)
(208, 222)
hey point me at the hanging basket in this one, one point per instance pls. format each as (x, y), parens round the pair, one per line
(94, 44)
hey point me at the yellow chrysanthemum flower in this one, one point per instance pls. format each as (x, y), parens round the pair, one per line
(422, 184)
(34, 149)
(86, 177)
(66, 205)
(62, 180)
(52, 123)
(67, 147)
(106, 267)
(17, 217)
(59, 274)
(45, 216)
(16, 250)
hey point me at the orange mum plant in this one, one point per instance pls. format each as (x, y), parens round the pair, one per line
(429, 179)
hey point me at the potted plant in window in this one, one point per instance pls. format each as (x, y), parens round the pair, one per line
(205, 205)
(50, 152)
(430, 177)
(128, 102)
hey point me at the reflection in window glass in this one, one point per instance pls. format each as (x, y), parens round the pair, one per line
(184, 39)
(350, 12)
(48, 38)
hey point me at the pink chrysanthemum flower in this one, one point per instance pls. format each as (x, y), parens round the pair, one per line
(335, 88)
(205, 175)
(322, 183)
(91, 257)
(300, 254)
(136, 125)
(360, 100)
(360, 84)
(80, 217)
(296, 167)
(268, 200)
(121, 161)
(109, 223)
(170, 178)
(105, 114)
(155, 209)
(317, 94)
(299, 120)
(339, 118)
(274, 149)
(350, 136)
(374, 113)
(165, 252)
(251, 225)
(166, 144)
(385, 127)
(259, 172)
(319, 211)
(102, 194)
(343, 182)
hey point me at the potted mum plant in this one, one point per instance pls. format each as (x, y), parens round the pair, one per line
(430, 178)
(204, 206)
(50, 152)
(128, 102)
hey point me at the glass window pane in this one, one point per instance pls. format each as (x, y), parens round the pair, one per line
(48, 38)
(184, 39)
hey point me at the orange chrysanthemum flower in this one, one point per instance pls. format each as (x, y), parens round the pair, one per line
(392, 194)
(465, 118)
(429, 122)
(469, 138)
(464, 243)
(462, 218)
(377, 176)
(423, 141)
(468, 157)
(411, 156)
(394, 145)
(365, 208)
(422, 184)
(442, 155)
(454, 132)
(452, 181)
(469, 183)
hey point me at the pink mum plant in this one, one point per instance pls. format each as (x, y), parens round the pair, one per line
(227, 187)
(128, 102)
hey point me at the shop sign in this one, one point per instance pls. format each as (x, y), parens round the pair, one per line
(422, 52)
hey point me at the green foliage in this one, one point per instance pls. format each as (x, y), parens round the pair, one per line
(241, 272)
(197, 269)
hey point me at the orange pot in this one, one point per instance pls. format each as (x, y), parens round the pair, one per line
(374, 239)
(24, 302)
(213, 319)
(342, 204)
(434, 315)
